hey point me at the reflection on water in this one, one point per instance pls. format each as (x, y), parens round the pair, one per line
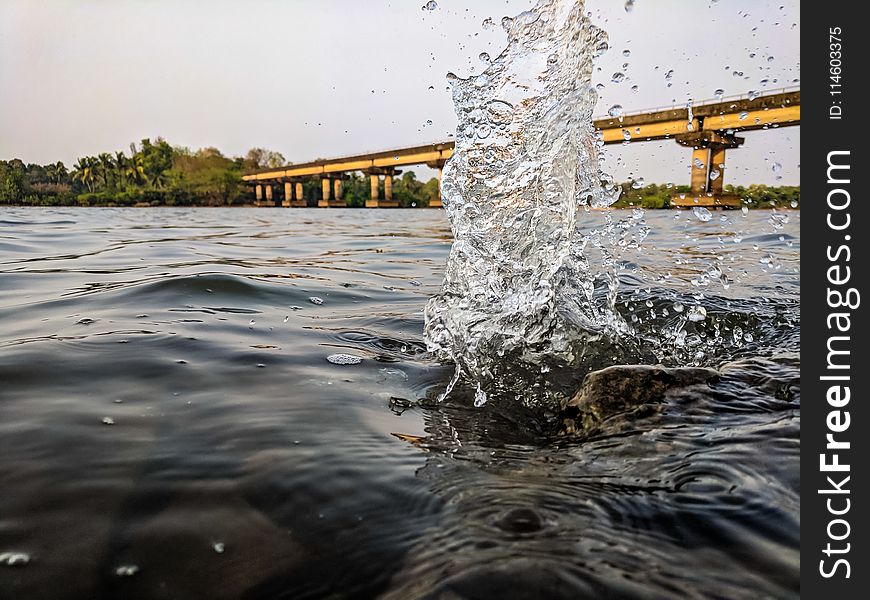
(238, 462)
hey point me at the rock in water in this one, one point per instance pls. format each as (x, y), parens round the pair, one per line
(624, 390)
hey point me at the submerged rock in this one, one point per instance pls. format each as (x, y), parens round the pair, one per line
(625, 391)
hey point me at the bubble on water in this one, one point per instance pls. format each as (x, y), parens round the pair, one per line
(696, 314)
(219, 547)
(86, 321)
(315, 300)
(702, 214)
(615, 110)
(108, 421)
(14, 559)
(251, 324)
(776, 168)
(431, 5)
(618, 77)
(344, 359)
(778, 220)
(127, 570)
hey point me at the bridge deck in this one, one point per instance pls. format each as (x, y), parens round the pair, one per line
(738, 114)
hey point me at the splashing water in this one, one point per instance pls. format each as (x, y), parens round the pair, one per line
(519, 291)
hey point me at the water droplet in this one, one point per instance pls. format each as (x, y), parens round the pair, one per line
(649, 303)
(126, 570)
(629, 5)
(431, 88)
(618, 77)
(487, 23)
(697, 314)
(553, 59)
(287, 318)
(251, 324)
(702, 214)
(431, 5)
(770, 59)
(626, 52)
(315, 300)
(638, 183)
(344, 359)
(719, 93)
(108, 421)
(635, 89)
(669, 75)
(218, 547)
(484, 57)
(678, 307)
(14, 559)
(615, 110)
(793, 203)
(714, 174)
(754, 94)
(479, 397)
(698, 163)
(776, 168)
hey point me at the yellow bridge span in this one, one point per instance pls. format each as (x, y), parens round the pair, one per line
(709, 128)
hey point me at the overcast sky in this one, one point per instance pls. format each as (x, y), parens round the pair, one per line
(321, 78)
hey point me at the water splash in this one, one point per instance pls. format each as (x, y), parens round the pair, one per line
(519, 294)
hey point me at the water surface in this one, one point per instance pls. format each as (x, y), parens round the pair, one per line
(170, 426)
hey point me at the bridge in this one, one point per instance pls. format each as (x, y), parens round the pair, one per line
(708, 128)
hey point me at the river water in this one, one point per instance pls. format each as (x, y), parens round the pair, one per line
(170, 426)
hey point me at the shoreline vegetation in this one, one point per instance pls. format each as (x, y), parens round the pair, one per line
(154, 173)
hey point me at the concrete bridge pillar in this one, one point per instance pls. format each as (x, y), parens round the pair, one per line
(708, 153)
(288, 194)
(259, 192)
(324, 197)
(436, 201)
(375, 182)
(300, 194)
(388, 188)
(717, 163)
(337, 188)
(700, 170)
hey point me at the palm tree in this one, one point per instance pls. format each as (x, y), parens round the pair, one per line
(60, 172)
(135, 170)
(107, 167)
(121, 168)
(83, 171)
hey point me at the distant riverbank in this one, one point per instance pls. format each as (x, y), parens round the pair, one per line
(155, 173)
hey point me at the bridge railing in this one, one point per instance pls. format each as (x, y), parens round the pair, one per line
(705, 101)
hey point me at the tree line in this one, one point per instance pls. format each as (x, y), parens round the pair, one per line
(151, 173)
(752, 196)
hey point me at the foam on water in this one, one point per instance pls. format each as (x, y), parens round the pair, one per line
(518, 294)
